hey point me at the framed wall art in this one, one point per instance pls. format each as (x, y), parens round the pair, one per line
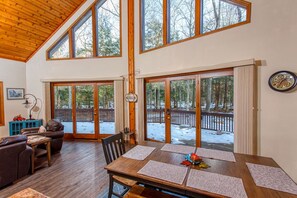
(15, 93)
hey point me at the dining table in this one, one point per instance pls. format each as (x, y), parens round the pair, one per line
(227, 177)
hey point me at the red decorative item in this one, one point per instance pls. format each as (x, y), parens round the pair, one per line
(186, 163)
(18, 118)
(194, 157)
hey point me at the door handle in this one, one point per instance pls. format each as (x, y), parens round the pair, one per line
(167, 113)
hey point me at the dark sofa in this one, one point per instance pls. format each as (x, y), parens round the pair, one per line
(15, 158)
(55, 130)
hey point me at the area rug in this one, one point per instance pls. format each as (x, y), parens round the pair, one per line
(28, 193)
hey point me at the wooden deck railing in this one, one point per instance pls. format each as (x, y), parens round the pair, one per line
(209, 120)
(84, 115)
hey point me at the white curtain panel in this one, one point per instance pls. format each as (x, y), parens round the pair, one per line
(140, 112)
(119, 105)
(245, 109)
(47, 101)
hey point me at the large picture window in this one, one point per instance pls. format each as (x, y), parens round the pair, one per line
(108, 28)
(152, 24)
(83, 39)
(164, 22)
(182, 19)
(96, 34)
(61, 49)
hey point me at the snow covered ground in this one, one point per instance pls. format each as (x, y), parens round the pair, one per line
(88, 127)
(179, 135)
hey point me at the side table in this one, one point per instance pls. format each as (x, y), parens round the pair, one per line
(35, 140)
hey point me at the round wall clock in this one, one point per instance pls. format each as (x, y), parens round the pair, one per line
(282, 81)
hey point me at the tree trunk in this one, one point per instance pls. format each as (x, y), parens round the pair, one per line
(217, 95)
(216, 13)
(193, 94)
(208, 95)
(225, 95)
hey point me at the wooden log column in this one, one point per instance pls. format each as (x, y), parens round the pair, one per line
(131, 68)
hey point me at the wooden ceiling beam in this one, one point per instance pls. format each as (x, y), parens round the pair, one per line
(11, 57)
(4, 39)
(18, 36)
(13, 20)
(51, 8)
(14, 51)
(12, 29)
(38, 8)
(60, 6)
(22, 27)
(30, 8)
(27, 16)
(70, 3)
(15, 47)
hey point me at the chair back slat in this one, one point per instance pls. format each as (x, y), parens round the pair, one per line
(113, 147)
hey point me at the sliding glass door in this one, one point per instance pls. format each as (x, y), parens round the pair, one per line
(217, 130)
(106, 108)
(183, 111)
(155, 108)
(85, 109)
(63, 106)
(172, 116)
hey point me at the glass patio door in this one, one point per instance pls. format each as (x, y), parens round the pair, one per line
(183, 111)
(217, 126)
(155, 111)
(194, 110)
(63, 106)
(85, 112)
(171, 110)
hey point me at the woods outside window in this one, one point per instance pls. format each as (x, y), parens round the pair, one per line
(164, 22)
(96, 34)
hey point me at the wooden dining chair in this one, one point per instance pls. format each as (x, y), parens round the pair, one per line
(113, 148)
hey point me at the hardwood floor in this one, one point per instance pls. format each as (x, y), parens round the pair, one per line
(78, 171)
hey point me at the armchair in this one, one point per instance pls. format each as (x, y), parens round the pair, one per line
(15, 157)
(55, 130)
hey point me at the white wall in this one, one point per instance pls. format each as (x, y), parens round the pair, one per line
(270, 37)
(13, 76)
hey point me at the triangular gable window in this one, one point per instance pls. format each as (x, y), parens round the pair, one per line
(96, 34)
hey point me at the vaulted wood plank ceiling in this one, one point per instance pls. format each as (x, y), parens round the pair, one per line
(26, 24)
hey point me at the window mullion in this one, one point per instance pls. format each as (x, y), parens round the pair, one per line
(198, 17)
(165, 22)
(71, 43)
(94, 27)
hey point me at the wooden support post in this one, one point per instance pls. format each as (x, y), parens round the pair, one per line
(131, 68)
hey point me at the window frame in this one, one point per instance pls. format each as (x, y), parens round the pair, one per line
(70, 33)
(198, 19)
(57, 45)
(2, 115)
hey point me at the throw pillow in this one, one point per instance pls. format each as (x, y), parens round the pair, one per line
(54, 125)
(42, 129)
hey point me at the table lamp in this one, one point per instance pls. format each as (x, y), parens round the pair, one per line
(28, 104)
